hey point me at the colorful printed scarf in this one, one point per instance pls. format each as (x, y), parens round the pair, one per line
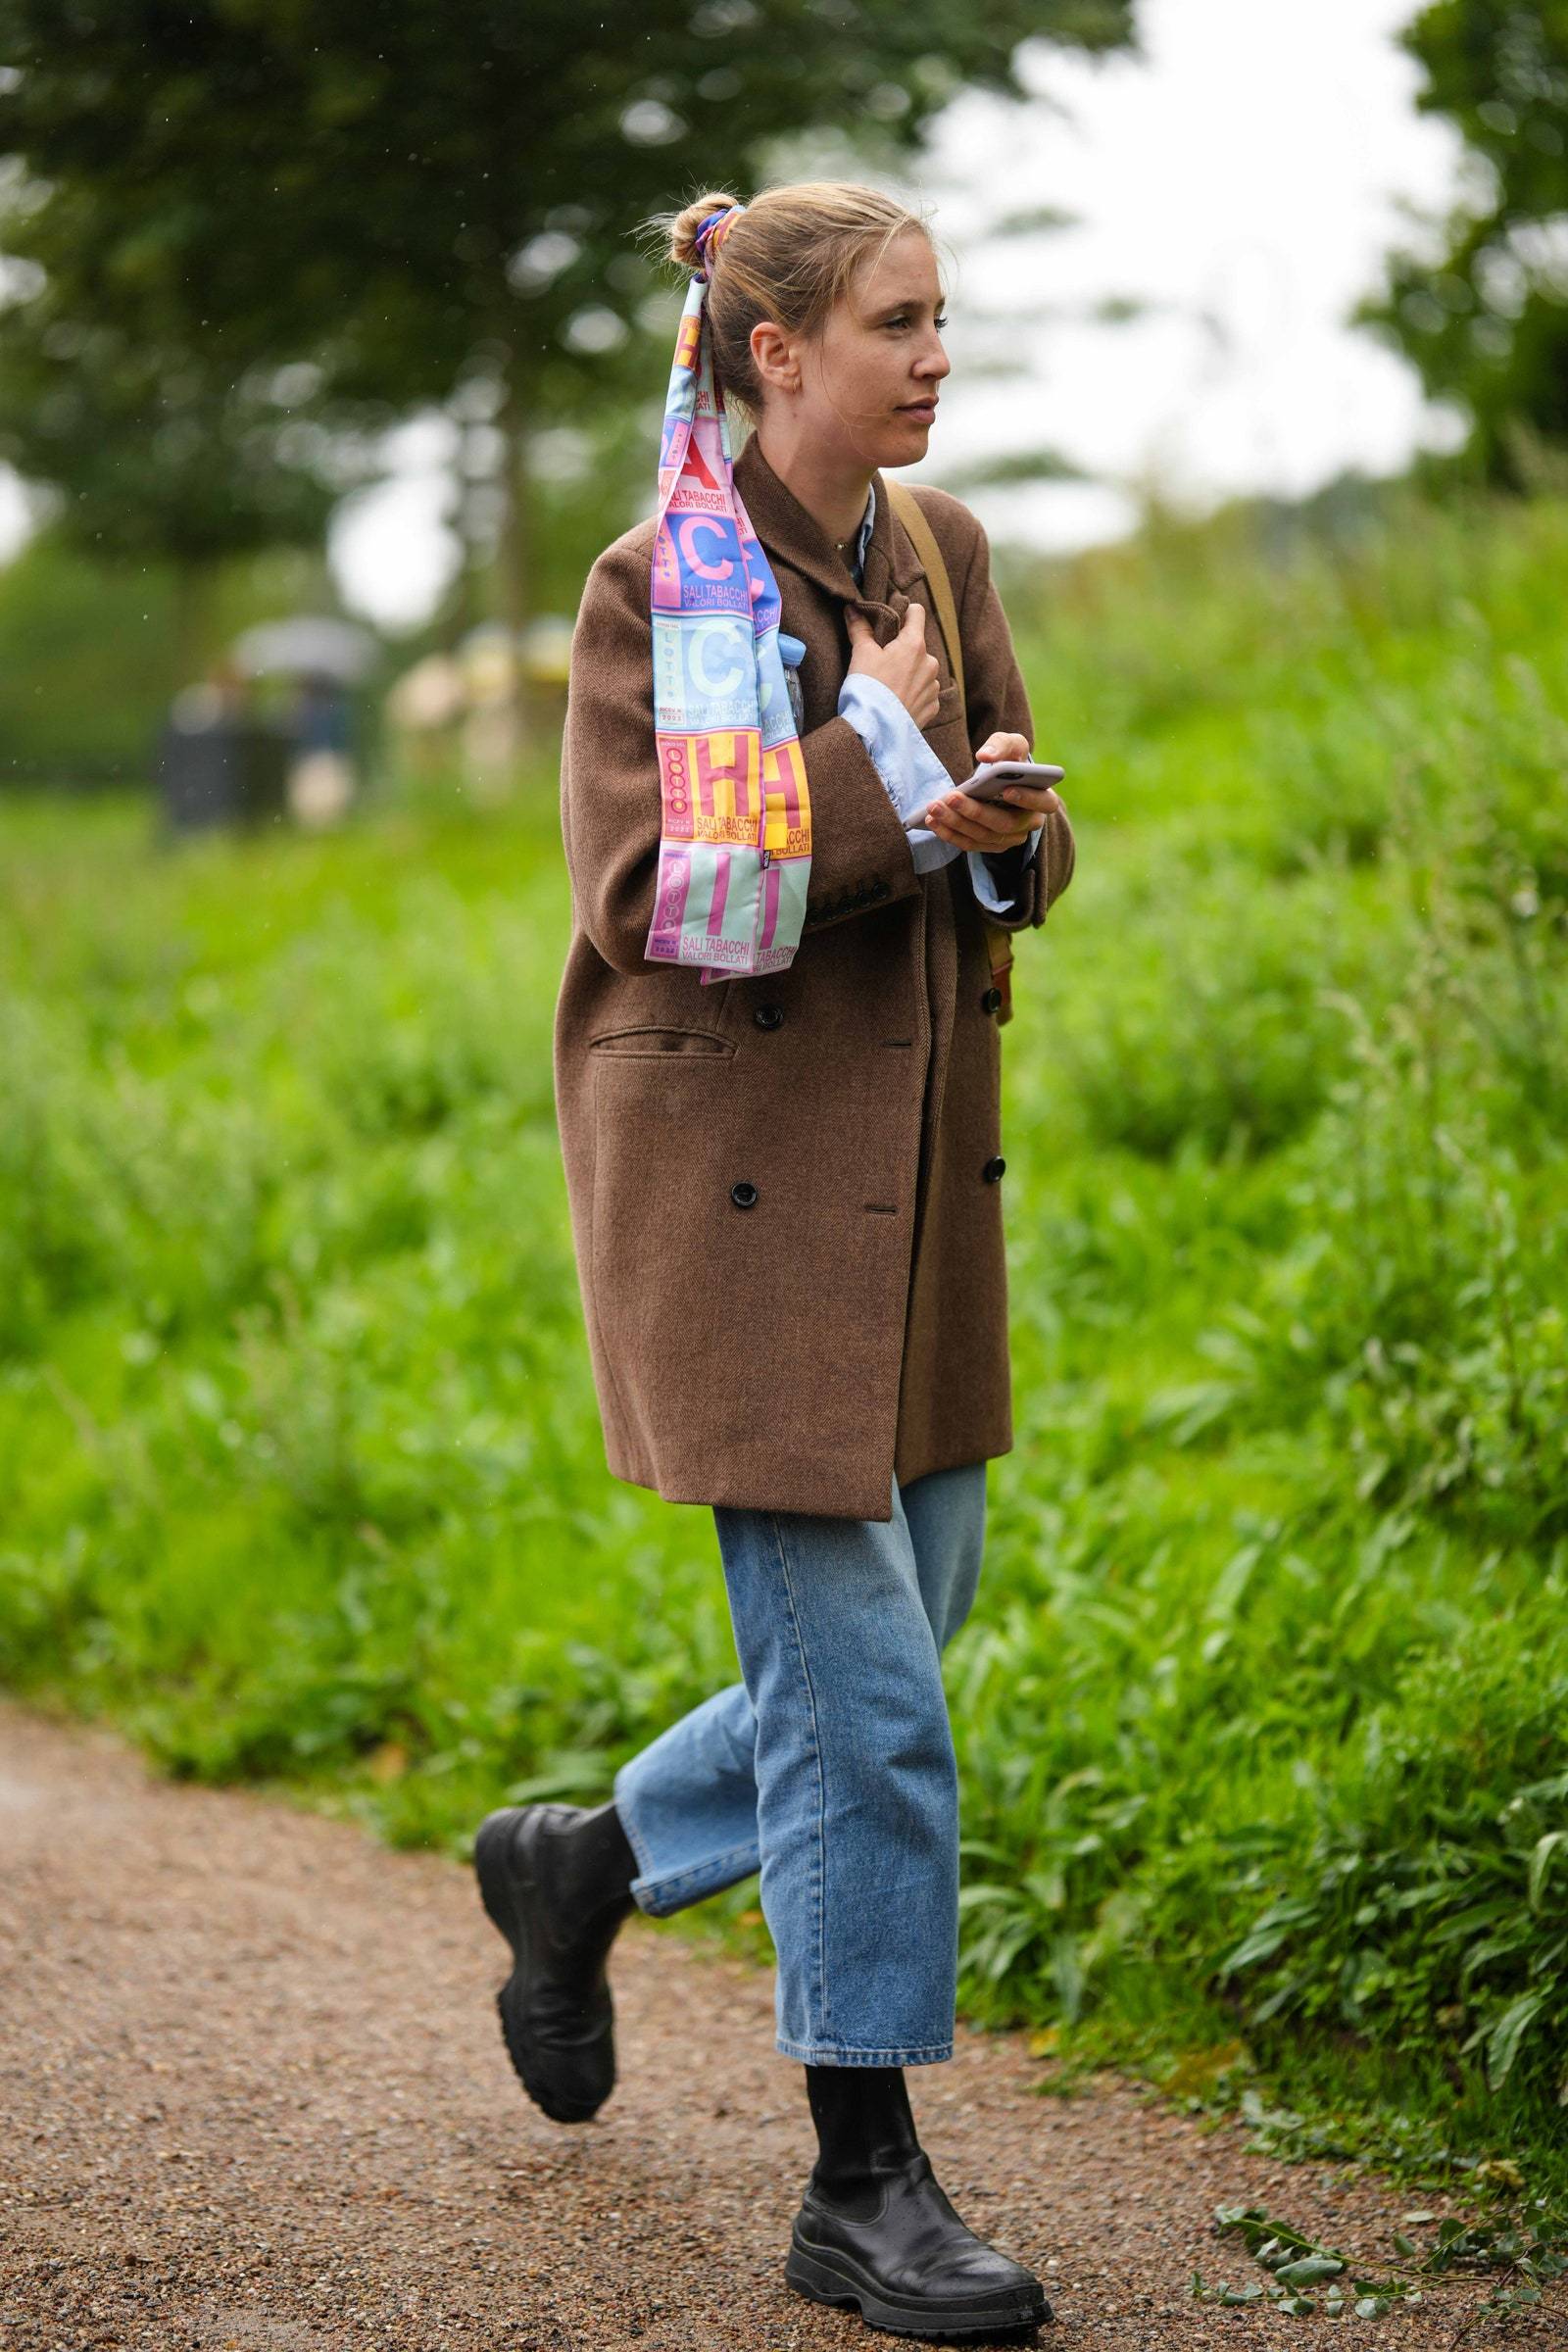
(735, 831)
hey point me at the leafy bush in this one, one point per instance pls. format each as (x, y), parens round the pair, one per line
(1259, 1711)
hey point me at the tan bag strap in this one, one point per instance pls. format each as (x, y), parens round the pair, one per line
(910, 511)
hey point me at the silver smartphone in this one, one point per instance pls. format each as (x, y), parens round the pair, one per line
(990, 782)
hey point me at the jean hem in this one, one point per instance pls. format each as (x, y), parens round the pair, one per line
(672, 1890)
(810, 2053)
(626, 1816)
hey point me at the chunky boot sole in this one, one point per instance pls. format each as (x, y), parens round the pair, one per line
(828, 2275)
(509, 1895)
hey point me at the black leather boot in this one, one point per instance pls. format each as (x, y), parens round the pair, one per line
(556, 1879)
(876, 2232)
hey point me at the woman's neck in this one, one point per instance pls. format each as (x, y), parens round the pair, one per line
(833, 490)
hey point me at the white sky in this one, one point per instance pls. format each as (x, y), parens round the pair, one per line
(1245, 172)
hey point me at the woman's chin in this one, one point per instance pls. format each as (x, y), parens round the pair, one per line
(908, 441)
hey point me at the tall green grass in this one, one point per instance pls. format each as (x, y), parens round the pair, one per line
(1263, 1708)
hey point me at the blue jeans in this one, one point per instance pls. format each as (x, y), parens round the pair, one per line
(830, 1766)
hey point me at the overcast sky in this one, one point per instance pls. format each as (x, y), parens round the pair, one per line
(1244, 181)
(1242, 178)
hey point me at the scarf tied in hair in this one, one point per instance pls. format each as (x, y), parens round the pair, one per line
(735, 828)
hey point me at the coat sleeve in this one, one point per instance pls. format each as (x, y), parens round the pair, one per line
(609, 789)
(996, 700)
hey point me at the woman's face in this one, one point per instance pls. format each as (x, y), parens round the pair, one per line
(868, 381)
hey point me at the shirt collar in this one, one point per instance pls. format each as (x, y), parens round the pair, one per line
(855, 556)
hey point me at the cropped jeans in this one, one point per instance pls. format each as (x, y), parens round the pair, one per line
(830, 1767)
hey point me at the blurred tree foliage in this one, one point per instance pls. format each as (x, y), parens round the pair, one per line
(404, 206)
(163, 461)
(85, 650)
(83, 679)
(1486, 323)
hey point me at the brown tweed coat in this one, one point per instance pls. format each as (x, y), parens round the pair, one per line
(850, 1325)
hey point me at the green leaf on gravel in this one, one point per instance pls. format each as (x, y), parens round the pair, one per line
(1309, 2270)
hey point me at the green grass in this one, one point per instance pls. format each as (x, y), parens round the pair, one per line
(1263, 1710)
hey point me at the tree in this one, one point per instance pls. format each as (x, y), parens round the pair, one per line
(160, 455)
(412, 199)
(1486, 323)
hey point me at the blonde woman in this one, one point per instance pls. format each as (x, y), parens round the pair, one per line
(777, 1075)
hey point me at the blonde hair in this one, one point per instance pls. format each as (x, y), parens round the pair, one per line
(789, 257)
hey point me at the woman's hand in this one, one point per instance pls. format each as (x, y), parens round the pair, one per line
(904, 666)
(992, 826)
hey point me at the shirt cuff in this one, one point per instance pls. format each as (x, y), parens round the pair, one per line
(910, 771)
(987, 871)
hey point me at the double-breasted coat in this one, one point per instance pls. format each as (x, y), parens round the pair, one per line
(784, 1190)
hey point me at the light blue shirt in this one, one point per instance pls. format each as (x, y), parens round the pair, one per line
(910, 771)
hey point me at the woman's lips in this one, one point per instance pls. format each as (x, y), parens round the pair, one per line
(923, 409)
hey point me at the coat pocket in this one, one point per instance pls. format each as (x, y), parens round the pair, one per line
(670, 1251)
(647, 1041)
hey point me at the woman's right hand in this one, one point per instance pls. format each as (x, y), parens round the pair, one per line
(904, 666)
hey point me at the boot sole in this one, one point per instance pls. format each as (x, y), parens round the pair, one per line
(829, 2276)
(494, 1856)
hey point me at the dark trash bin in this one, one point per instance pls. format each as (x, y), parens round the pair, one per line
(221, 771)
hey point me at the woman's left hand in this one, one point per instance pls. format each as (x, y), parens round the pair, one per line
(993, 825)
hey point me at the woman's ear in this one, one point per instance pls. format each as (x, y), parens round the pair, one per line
(773, 356)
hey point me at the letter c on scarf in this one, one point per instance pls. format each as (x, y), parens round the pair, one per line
(686, 531)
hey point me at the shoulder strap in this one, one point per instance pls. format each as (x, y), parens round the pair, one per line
(910, 511)
(923, 539)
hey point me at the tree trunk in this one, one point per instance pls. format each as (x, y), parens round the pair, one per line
(466, 608)
(190, 636)
(513, 552)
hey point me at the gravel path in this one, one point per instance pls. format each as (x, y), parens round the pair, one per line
(253, 2097)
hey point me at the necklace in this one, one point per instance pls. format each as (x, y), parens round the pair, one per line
(842, 544)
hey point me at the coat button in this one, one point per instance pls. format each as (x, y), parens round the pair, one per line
(991, 1171)
(991, 1000)
(768, 1016)
(743, 1195)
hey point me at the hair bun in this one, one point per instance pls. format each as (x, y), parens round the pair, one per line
(687, 221)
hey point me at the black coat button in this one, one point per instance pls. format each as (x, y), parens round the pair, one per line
(991, 1000)
(743, 1195)
(991, 1171)
(768, 1016)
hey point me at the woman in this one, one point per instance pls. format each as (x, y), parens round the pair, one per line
(777, 1075)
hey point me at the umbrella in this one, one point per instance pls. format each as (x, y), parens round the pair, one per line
(318, 645)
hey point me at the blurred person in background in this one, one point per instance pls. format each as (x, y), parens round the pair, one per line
(320, 776)
(219, 761)
(778, 1081)
(424, 709)
(222, 698)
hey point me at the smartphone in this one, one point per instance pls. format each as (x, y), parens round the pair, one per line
(988, 783)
